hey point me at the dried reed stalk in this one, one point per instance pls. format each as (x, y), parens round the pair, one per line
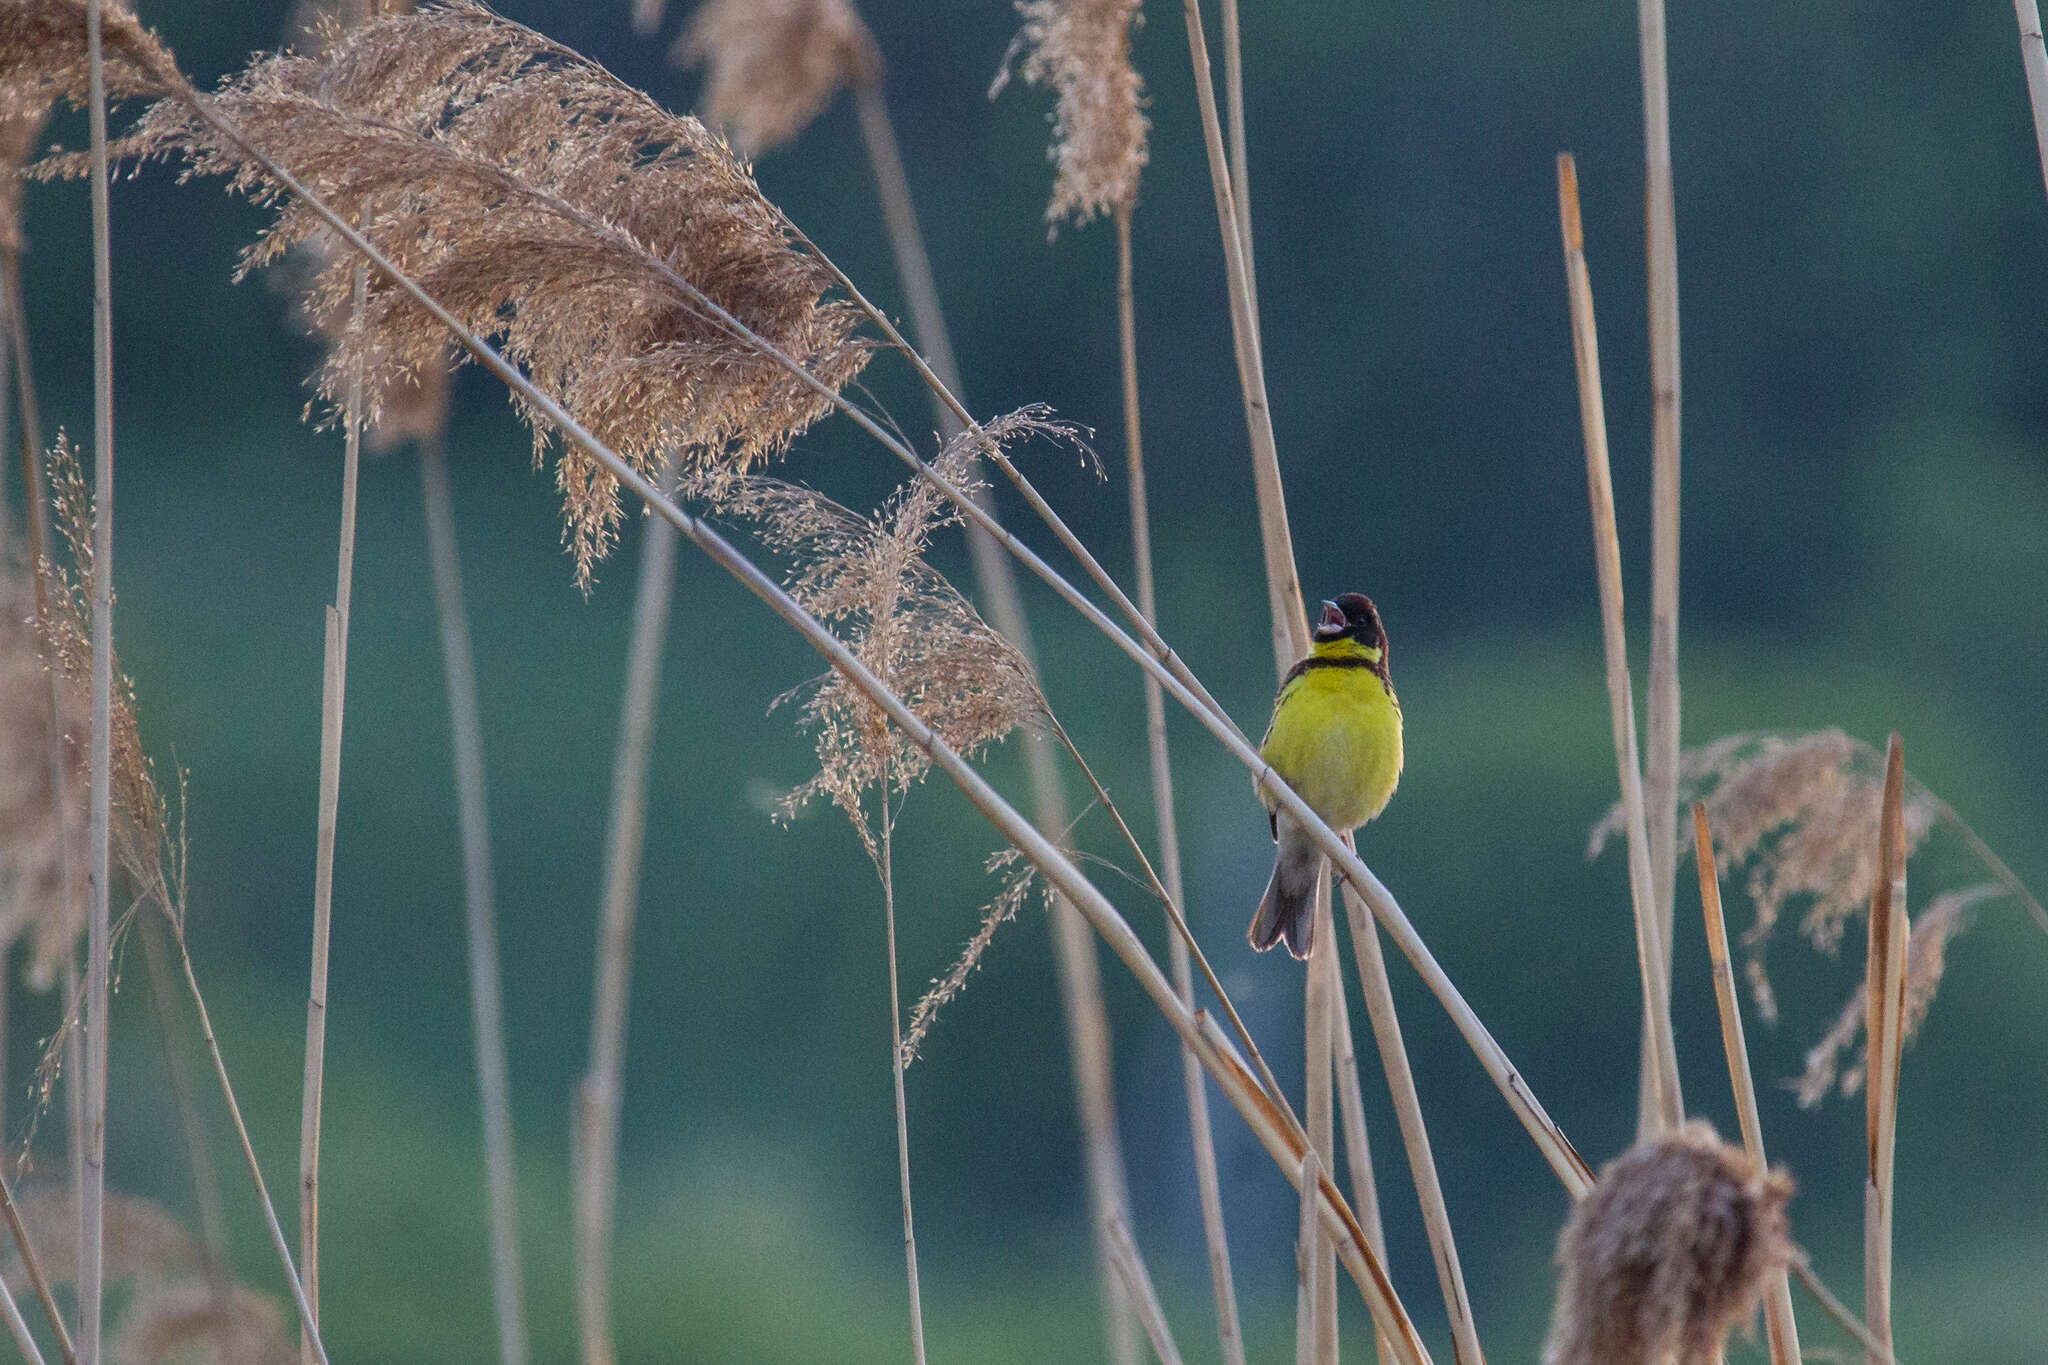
(886, 866)
(1661, 768)
(1621, 703)
(1845, 1318)
(33, 1265)
(1281, 1139)
(1358, 1155)
(2034, 56)
(17, 1327)
(333, 705)
(1208, 1184)
(1436, 1217)
(1885, 982)
(1308, 1251)
(1779, 1322)
(99, 934)
(480, 918)
(1240, 161)
(601, 1091)
(1130, 1265)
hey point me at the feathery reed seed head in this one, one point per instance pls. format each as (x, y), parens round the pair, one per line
(143, 1240)
(33, 843)
(1082, 49)
(550, 206)
(1667, 1253)
(43, 56)
(1019, 877)
(192, 1320)
(773, 65)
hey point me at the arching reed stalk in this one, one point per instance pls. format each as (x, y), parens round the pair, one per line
(2034, 57)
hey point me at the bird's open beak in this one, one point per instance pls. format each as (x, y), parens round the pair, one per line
(1333, 623)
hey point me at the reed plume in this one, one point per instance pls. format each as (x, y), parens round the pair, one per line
(1019, 879)
(1082, 49)
(43, 56)
(33, 851)
(549, 205)
(1670, 1250)
(144, 1240)
(192, 1320)
(773, 65)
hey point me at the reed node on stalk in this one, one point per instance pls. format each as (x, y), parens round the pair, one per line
(1081, 48)
(772, 66)
(1670, 1250)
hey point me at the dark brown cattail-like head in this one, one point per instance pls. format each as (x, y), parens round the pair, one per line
(1669, 1251)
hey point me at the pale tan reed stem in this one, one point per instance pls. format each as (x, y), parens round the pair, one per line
(888, 872)
(1240, 160)
(479, 899)
(1358, 1154)
(1779, 1323)
(17, 1327)
(99, 931)
(1885, 985)
(1308, 1250)
(1661, 771)
(2034, 56)
(1208, 1184)
(1130, 1266)
(601, 1091)
(333, 700)
(1621, 702)
(1090, 1044)
(1847, 1320)
(1436, 1216)
(34, 1266)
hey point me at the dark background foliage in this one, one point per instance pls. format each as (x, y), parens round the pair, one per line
(1861, 233)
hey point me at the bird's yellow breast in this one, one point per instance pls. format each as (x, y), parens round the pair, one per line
(1336, 735)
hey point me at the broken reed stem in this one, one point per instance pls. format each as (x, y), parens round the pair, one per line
(1358, 1154)
(1565, 1162)
(486, 998)
(307, 1323)
(1779, 1323)
(333, 699)
(1137, 1281)
(1885, 980)
(888, 872)
(99, 932)
(1208, 1183)
(1802, 1271)
(36, 1278)
(1080, 980)
(601, 1090)
(1660, 217)
(2034, 56)
(1436, 1217)
(1650, 951)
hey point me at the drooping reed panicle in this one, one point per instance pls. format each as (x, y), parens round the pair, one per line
(1019, 879)
(548, 204)
(773, 65)
(1669, 1251)
(1081, 48)
(43, 56)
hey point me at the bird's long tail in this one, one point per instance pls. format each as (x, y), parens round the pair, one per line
(1288, 909)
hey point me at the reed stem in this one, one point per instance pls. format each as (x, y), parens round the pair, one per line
(36, 1278)
(480, 919)
(1890, 934)
(1130, 1266)
(887, 868)
(601, 1091)
(2034, 56)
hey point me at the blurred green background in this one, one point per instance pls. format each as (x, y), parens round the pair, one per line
(1862, 227)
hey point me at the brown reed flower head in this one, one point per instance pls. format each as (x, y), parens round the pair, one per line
(195, 1320)
(775, 64)
(1667, 1253)
(867, 578)
(143, 1240)
(1082, 49)
(43, 56)
(1926, 959)
(1019, 877)
(18, 133)
(546, 204)
(37, 837)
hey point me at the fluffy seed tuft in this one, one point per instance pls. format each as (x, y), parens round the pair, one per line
(1082, 49)
(1667, 1253)
(773, 65)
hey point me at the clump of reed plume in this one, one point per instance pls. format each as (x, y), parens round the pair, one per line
(33, 846)
(1669, 1251)
(43, 56)
(1082, 49)
(773, 65)
(546, 204)
(1802, 812)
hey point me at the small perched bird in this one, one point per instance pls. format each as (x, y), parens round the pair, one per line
(1335, 738)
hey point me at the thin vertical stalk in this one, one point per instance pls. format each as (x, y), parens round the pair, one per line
(1621, 703)
(1885, 987)
(1208, 1184)
(1436, 1217)
(1320, 991)
(34, 1266)
(486, 1003)
(1308, 1249)
(887, 868)
(1365, 1197)
(1130, 1265)
(1074, 951)
(601, 1091)
(99, 941)
(333, 699)
(1240, 161)
(1778, 1320)
(2034, 56)
(1661, 231)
